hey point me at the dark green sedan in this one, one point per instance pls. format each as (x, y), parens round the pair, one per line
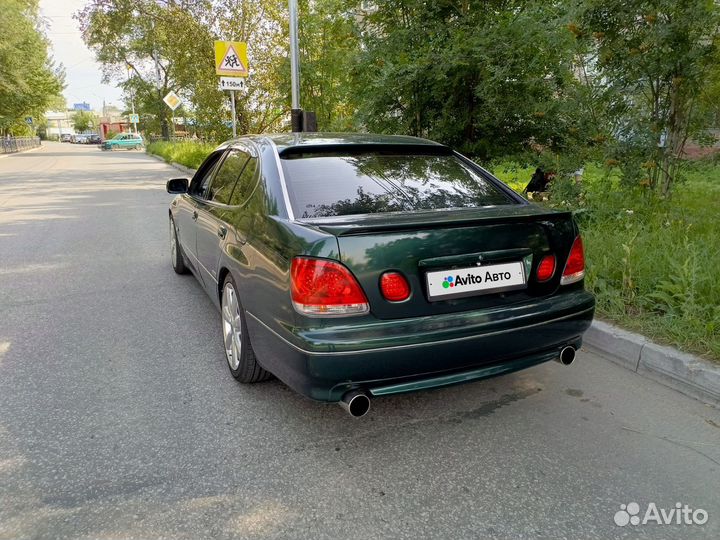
(353, 266)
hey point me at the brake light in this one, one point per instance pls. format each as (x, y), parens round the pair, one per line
(394, 286)
(575, 265)
(546, 268)
(323, 288)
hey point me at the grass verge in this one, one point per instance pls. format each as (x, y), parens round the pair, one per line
(190, 154)
(652, 264)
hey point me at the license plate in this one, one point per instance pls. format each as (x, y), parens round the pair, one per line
(475, 280)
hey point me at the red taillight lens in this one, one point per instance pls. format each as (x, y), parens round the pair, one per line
(394, 286)
(325, 288)
(575, 265)
(546, 268)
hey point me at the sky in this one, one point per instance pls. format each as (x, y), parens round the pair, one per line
(83, 74)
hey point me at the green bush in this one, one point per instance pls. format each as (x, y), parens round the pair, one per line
(188, 153)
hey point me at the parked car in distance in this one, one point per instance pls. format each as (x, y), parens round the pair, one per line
(66, 137)
(130, 141)
(94, 138)
(352, 266)
(81, 138)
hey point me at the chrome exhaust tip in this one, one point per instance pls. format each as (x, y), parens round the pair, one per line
(356, 403)
(566, 356)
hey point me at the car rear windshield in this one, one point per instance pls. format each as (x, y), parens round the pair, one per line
(325, 184)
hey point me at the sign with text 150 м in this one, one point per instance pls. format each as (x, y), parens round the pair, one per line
(231, 83)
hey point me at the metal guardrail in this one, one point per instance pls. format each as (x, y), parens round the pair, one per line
(10, 145)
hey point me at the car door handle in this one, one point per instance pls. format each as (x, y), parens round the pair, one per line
(195, 215)
(222, 231)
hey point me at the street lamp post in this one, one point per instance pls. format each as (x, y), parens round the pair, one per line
(296, 111)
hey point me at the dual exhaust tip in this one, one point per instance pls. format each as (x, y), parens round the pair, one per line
(357, 402)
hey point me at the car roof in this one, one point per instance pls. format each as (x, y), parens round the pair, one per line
(307, 141)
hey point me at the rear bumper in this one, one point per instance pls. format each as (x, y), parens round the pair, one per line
(393, 356)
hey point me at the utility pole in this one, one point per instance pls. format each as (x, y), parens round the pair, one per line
(296, 112)
(132, 101)
(159, 86)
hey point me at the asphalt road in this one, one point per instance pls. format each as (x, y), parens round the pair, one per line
(119, 418)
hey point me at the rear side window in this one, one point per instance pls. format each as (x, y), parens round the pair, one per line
(226, 176)
(246, 182)
(336, 184)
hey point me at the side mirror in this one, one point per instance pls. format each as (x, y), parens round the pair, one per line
(177, 186)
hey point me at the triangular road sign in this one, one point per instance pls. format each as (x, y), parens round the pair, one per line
(231, 58)
(231, 61)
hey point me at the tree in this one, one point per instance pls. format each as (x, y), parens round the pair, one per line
(658, 57)
(83, 121)
(29, 81)
(490, 77)
(180, 35)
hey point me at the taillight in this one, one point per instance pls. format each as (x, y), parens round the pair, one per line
(394, 286)
(546, 268)
(575, 265)
(324, 288)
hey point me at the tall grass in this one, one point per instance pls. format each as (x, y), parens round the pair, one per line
(191, 154)
(654, 265)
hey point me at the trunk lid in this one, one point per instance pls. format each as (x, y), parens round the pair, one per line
(431, 247)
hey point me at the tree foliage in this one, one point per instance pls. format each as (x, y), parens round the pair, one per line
(553, 82)
(83, 120)
(29, 81)
(490, 77)
(660, 57)
(180, 34)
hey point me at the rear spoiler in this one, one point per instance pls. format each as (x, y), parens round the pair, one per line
(311, 150)
(424, 220)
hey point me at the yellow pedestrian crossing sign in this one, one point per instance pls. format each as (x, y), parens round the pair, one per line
(231, 58)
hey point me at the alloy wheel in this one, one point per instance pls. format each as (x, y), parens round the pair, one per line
(173, 242)
(232, 326)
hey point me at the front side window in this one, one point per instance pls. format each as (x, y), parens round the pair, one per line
(324, 184)
(201, 181)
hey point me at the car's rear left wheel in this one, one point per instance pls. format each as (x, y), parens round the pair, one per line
(238, 351)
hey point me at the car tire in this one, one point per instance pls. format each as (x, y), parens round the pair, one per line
(176, 254)
(236, 341)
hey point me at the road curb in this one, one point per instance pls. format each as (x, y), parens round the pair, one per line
(25, 151)
(684, 372)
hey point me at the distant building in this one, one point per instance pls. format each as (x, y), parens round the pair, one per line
(59, 122)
